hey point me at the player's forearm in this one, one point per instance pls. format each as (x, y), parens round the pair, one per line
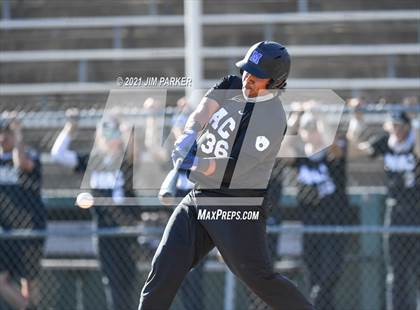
(20, 159)
(60, 151)
(416, 127)
(62, 142)
(196, 122)
(201, 115)
(212, 166)
(356, 127)
(206, 166)
(357, 147)
(293, 123)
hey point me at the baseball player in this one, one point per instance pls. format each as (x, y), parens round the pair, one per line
(21, 208)
(400, 149)
(117, 254)
(229, 145)
(322, 199)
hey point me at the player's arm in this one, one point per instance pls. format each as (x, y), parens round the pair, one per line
(202, 114)
(21, 160)
(292, 142)
(185, 144)
(416, 127)
(356, 129)
(60, 151)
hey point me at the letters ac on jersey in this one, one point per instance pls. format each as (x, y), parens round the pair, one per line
(261, 138)
(220, 133)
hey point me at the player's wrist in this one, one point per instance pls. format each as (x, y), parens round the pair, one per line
(185, 144)
(206, 166)
(193, 127)
(190, 132)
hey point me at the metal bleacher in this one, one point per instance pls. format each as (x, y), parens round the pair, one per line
(122, 47)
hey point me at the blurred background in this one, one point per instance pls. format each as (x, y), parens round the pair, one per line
(60, 59)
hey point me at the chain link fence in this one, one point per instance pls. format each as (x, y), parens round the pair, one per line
(343, 226)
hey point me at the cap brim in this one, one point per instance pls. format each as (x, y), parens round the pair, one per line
(251, 68)
(397, 121)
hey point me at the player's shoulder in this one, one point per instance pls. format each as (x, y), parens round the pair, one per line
(380, 140)
(271, 118)
(229, 82)
(228, 87)
(273, 110)
(379, 144)
(32, 153)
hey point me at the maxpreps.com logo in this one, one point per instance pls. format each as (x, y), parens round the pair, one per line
(255, 57)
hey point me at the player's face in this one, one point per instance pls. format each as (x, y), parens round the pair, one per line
(253, 86)
(7, 141)
(400, 131)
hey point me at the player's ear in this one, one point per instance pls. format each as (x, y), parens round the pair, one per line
(277, 85)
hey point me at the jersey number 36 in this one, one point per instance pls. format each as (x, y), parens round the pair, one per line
(211, 145)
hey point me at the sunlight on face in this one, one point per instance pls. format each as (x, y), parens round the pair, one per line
(400, 131)
(7, 141)
(253, 86)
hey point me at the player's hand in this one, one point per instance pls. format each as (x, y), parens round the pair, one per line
(356, 105)
(72, 114)
(189, 161)
(72, 120)
(184, 144)
(16, 128)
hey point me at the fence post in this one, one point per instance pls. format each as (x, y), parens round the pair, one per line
(371, 271)
(5, 9)
(229, 302)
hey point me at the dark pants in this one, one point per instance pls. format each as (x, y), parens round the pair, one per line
(21, 210)
(191, 291)
(242, 243)
(323, 256)
(118, 263)
(324, 253)
(404, 253)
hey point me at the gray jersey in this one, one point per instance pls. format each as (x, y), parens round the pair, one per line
(249, 133)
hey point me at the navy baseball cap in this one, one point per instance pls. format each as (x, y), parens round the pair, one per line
(400, 117)
(266, 59)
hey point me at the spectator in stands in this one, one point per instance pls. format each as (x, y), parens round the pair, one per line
(411, 102)
(322, 199)
(153, 130)
(108, 177)
(21, 208)
(191, 291)
(400, 147)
